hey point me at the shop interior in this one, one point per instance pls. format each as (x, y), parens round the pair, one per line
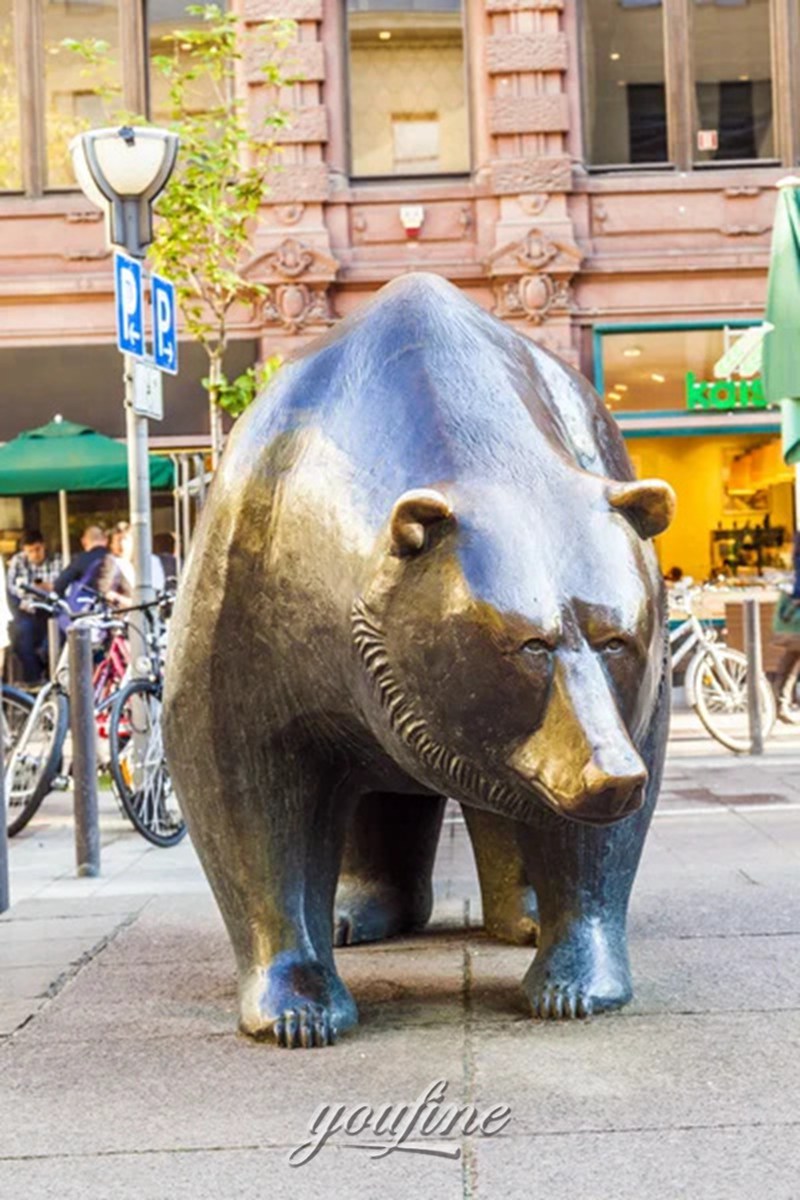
(735, 514)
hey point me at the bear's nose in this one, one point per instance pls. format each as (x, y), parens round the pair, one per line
(609, 796)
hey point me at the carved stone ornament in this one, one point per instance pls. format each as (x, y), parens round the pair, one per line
(534, 251)
(532, 296)
(292, 259)
(297, 305)
(289, 214)
(531, 276)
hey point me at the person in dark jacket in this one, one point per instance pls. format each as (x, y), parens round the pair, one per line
(85, 568)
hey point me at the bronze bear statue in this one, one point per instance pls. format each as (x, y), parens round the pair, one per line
(423, 571)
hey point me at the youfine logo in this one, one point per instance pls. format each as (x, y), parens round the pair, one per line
(428, 1125)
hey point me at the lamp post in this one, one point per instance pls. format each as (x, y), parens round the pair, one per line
(122, 171)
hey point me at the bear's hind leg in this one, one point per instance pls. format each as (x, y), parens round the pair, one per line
(509, 902)
(385, 884)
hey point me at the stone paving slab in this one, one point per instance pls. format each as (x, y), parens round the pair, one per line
(734, 1163)
(164, 1092)
(246, 1174)
(624, 1072)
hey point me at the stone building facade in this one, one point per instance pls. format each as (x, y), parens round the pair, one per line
(524, 217)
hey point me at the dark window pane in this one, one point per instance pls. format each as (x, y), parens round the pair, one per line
(733, 80)
(408, 109)
(625, 117)
(647, 122)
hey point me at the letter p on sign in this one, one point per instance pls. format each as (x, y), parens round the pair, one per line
(165, 325)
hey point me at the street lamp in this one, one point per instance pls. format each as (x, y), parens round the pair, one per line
(123, 171)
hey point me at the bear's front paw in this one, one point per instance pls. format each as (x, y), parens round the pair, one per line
(584, 971)
(297, 1003)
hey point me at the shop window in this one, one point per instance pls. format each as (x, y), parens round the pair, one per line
(624, 88)
(733, 80)
(664, 371)
(10, 157)
(408, 109)
(76, 96)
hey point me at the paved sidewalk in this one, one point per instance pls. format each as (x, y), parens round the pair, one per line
(121, 1074)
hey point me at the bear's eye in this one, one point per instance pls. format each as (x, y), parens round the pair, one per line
(537, 646)
(614, 645)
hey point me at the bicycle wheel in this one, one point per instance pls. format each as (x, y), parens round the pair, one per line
(33, 742)
(787, 688)
(720, 691)
(138, 766)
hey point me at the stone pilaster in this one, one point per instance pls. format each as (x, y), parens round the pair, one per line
(534, 256)
(292, 252)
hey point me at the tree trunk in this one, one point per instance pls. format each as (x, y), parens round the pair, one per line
(214, 411)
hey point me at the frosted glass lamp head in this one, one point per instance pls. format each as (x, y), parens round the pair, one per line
(123, 171)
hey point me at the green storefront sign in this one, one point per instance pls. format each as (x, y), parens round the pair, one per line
(723, 395)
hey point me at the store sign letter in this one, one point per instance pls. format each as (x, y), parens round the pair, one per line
(723, 395)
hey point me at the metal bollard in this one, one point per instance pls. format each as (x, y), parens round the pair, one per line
(53, 645)
(752, 647)
(5, 889)
(84, 752)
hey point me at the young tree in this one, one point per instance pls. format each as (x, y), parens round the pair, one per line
(207, 213)
(209, 208)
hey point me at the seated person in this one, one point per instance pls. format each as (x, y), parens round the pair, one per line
(31, 566)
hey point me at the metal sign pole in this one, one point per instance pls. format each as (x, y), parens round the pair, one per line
(136, 431)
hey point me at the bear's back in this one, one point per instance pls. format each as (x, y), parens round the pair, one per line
(422, 385)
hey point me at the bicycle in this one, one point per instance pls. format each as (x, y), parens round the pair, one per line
(138, 763)
(34, 744)
(716, 681)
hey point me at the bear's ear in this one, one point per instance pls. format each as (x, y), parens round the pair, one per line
(412, 515)
(649, 504)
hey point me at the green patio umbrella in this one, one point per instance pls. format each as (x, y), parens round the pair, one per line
(781, 349)
(65, 457)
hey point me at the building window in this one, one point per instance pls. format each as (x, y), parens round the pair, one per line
(408, 107)
(10, 157)
(48, 92)
(163, 18)
(77, 97)
(732, 80)
(625, 93)
(686, 82)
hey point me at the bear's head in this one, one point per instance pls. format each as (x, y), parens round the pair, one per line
(513, 649)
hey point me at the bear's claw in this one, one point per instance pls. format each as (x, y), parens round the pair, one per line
(306, 1027)
(558, 1004)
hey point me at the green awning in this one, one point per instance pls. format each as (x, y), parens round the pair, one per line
(63, 456)
(781, 351)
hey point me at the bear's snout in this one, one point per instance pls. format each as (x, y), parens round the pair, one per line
(608, 797)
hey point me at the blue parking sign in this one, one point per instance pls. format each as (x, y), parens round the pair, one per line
(165, 325)
(129, 304)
